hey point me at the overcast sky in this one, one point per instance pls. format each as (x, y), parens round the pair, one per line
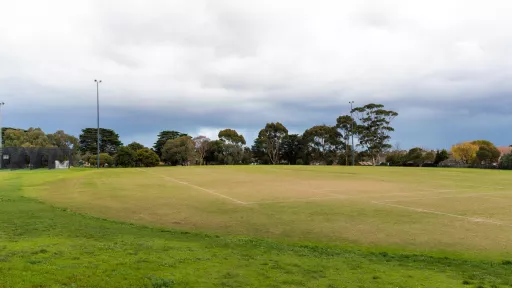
(199, 66)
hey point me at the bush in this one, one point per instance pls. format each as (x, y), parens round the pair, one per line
(147, 158)
(104, 159)
(125, 157)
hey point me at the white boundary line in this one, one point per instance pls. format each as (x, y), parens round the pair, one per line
(445, 214)
(194, 186)
(448, 196)
(297, 200)
(474, 185)
(337, 196)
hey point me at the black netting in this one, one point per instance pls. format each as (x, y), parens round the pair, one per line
(34, 158)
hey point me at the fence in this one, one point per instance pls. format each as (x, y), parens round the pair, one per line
(33, 158)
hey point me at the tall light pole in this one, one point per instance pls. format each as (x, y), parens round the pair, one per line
(1, 139)
(98, 122)
(352, 133)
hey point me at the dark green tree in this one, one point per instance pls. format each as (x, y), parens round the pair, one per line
(323, 143)
(163, 137)
(125, 157)
(415, 156)
(441, 156)
(373, 128)
(109, 141)
(271, 137)
(232, 154)
(180, 151)
(506, 161)
(147, 158)
(259, 151)
(396, 158)
(231, 136)
(214, 153)
(292, 148)
(247, 156)
(134, 146)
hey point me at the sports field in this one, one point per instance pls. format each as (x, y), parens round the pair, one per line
(400, 227)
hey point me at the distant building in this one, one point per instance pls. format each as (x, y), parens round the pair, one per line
(504, 150)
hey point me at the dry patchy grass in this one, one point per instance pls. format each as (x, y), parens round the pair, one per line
(406, 208)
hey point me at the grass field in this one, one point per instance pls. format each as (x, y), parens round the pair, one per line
(256, 226)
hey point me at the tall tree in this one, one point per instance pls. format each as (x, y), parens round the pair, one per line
(272, 136)
(134, 146)
(291, 148)
(163, 137)
(201, 145)
(323, 143)
(231, 136)
(465, 152)
(373, 128)
(346, 125)
(179, 151)
(109, 141)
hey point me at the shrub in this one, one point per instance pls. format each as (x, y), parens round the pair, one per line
(125, 157)
(104, 159)
(147, 158)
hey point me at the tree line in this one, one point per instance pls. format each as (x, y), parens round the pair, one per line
(322, 144)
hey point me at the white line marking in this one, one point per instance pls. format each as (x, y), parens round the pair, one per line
(296, 200)
(493, 198)
(448, 196)
(448, 190)
(197, 187)
(445, 214)
(474, 185)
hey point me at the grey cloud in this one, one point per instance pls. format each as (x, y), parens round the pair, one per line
(192, 65)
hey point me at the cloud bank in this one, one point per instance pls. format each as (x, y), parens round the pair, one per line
(199, 66)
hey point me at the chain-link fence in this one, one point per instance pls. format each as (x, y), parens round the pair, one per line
(33, 158)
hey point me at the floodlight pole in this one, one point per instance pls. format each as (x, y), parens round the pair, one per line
(1, 139)
(352, 132)
(98, 121)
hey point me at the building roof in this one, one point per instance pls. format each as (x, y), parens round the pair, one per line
(504, 150)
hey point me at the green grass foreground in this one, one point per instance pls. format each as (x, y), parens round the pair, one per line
(45, 246)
